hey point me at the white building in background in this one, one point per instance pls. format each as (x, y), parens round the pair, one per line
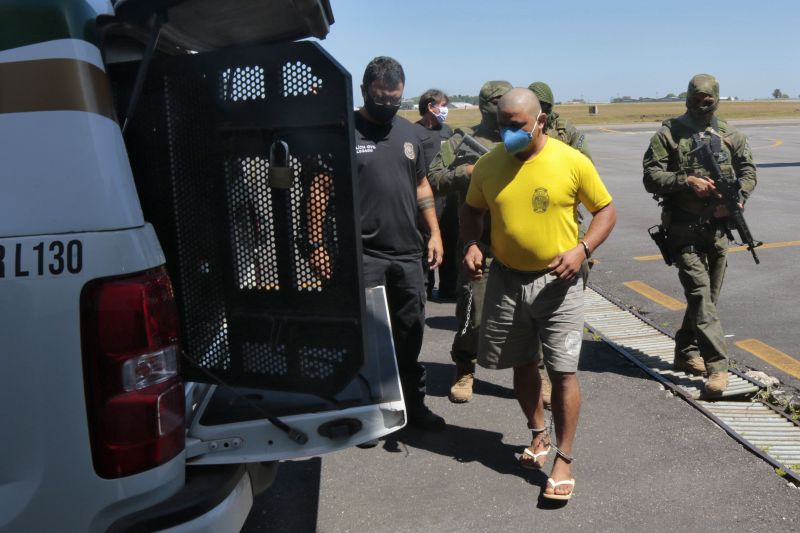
(461, 105)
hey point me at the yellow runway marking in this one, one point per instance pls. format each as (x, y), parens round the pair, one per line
(775, 143)
(648, 257)
(657, 296)
(776, 358)
(730, 250)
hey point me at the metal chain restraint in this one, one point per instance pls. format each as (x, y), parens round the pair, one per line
(468, 314)
(549, 432)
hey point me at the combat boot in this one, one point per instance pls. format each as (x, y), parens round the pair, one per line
(694, 366)
(421, 417)
(547, 388)
(461, 391)
(717, 383)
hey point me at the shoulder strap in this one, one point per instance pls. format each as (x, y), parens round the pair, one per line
(716, 140)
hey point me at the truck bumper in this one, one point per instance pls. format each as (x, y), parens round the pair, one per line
(215, 499)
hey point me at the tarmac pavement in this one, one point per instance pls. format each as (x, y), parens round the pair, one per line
(757, 301)
(645, 461)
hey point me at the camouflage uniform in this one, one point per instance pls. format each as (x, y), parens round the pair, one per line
(448, 174)
(697, 243)
(556, 126)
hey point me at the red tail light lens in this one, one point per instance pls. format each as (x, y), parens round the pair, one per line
(131, 358)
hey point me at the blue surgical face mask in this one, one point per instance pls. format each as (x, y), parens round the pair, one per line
(518, 140)
(441, 116)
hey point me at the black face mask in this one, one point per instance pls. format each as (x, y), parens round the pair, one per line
(703, 113)
(381, 112)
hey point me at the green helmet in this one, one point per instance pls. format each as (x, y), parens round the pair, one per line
(543, 93)
(491, 89)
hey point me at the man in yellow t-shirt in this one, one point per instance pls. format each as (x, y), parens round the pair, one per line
(531, 186)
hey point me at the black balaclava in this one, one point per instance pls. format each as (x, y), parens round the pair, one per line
(488, 109)
(706, 84)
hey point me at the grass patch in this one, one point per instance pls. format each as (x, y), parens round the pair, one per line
(636, 113)
(781, 472)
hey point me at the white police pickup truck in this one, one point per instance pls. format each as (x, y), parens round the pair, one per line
(164, 340)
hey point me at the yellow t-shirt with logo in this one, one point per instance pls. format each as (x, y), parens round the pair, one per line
(533, 203)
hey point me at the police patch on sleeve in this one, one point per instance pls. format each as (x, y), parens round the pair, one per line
(408, 149)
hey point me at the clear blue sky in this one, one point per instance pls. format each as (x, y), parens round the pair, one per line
(591, 49)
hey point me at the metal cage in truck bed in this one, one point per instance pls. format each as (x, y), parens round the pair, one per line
(208, 146)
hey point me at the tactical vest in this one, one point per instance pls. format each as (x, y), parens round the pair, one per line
(561, 131)
(685, 204)
(560, 128)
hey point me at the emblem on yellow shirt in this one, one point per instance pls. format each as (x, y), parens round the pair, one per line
(540, 200)
(408, 148)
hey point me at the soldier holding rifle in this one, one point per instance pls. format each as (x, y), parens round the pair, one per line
(449, 173)
(690, 163)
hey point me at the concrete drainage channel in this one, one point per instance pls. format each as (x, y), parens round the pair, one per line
(768, 433)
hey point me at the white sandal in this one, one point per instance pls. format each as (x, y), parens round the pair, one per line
(553, 484)
(534, 464)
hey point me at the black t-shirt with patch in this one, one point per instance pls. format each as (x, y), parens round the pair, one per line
(389, 164)
(432, 139)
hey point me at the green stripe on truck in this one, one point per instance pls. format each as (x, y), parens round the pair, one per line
(26, 22)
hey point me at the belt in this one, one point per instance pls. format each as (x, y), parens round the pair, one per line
(692, 249)
(532, 273)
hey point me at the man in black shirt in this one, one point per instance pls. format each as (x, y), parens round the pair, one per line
(431, 126)
(394, 189)
(432, 133)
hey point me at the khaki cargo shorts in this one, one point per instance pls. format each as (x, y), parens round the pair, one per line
(524, 312)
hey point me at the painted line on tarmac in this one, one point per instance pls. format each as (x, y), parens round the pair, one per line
(730, 250)
(775, 143)
(655, 295)
(771, 355)
(616, 132)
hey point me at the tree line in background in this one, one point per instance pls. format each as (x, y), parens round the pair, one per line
(670, 97)
(778, 94)
(464, 98)
(411, 102)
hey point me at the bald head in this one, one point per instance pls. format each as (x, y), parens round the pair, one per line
(519, 99)
(519, 115)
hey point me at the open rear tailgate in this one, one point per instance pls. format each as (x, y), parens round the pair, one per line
(202, 25)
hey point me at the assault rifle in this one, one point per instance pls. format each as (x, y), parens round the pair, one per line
(452, 156)
(729, 190)
(470, 142)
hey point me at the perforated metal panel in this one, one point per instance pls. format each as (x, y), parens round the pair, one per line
(265, 254)
(298, 78)
(242, 83)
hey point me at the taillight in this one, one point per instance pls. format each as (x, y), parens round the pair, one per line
(134, 394)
